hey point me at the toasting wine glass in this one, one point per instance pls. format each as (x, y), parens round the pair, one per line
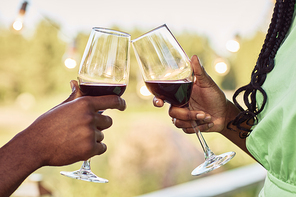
(168, 75)
(104, 70)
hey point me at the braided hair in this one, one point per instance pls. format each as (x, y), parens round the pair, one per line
(278, 28)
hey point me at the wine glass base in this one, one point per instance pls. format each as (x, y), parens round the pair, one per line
(85, 175)
(213, 163)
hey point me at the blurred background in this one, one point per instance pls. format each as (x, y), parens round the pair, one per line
(41, 44)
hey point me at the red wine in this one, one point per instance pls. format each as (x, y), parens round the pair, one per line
(174, 92)
(89, 89)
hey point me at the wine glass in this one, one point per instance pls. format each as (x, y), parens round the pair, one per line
(104, 70)
(169, 76)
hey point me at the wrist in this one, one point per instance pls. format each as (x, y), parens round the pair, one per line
(17, 162)
(22, 152)
(232, 127)
(231, 113)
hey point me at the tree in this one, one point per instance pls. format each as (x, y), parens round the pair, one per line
(12, 49)
(33, 64)
(46, 71)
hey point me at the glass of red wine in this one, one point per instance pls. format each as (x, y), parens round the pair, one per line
(169, 76)
(104, 70)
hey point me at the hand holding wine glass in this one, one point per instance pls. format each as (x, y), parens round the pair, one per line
(104, 70)
(207, 98)
(169, 76)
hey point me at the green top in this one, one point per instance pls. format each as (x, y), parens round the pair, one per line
(273, 141)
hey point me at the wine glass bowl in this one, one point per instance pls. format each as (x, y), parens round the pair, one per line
(168, 60)
(105, 62)
(104, 70)
(166, 71)
(168, 74)
(175, 92)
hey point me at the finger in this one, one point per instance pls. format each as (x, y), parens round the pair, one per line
(197, 68)
(158, 102)
(186, 114)
(99, 135)
(102, 122)
(201, 128)
(76, 92)
(187, 124)
(201, 77)
(97, 146)
(106, 102)
(100, 148)
(181, 123)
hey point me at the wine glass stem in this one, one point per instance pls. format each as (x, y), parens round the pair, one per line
(207, 151)
(86, 165)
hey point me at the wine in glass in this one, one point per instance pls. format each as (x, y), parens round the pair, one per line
(169, 76)
(104, 70)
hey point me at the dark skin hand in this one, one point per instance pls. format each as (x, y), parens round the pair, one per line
(68, 133)
(208, 106)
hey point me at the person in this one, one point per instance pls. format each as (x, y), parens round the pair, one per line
(265, 128)
(69, 132)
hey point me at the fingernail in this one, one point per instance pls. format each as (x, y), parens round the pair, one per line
(174, 120)
(72, 86)
(200, 116)
(157, 102)
(122, 102)
(207, 118)
(210, 125)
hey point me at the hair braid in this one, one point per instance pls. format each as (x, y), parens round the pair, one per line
(278, 28)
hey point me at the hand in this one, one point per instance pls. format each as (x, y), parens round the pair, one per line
(71, 131)
(208, 105)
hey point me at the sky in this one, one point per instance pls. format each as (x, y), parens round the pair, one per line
(220, 20)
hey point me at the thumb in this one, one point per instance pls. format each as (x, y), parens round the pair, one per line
(201, 76)
(75, 91)
(157, 102)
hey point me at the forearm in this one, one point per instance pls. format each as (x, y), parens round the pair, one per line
(233, 133)
(17, 162)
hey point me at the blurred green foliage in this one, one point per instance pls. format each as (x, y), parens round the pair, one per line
(34, 64)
